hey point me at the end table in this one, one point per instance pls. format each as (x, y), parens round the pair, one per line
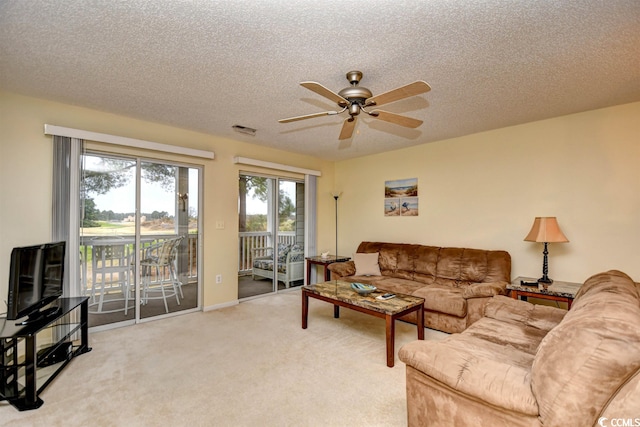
(324, 262)
(557, 291)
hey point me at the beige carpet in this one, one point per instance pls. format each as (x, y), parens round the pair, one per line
(246, 365)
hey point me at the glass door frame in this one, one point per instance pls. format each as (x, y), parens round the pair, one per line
(273, 225)
(139, 160)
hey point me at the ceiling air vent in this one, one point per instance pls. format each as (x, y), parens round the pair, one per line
(244, 129)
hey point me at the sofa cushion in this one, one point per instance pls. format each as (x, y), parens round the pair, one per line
(521, 337)
(425, 263)
(514, 311)
(367, 264)
(401, 286)
(590, 355)
(463, 264)
(444, 299)
(389, 259)
(482, 290)
(342, 269)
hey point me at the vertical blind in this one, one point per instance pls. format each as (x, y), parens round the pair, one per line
(66, 207)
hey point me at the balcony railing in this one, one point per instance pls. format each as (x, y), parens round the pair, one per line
(247, 243)
(87, 250)
(250, 240)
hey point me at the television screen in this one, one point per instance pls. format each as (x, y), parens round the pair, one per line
(35, 278)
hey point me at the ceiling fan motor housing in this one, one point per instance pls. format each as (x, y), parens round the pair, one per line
(356, 95)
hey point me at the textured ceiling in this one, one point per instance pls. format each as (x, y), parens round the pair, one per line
(207, 65)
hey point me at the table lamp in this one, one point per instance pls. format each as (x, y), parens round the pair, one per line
(545, 230)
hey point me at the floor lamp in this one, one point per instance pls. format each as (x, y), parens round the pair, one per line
(336, 195)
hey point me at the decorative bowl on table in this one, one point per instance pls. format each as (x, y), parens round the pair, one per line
(363, 289)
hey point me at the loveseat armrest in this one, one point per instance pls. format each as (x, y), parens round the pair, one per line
(515, 311)
(483, 290)
(342, 269)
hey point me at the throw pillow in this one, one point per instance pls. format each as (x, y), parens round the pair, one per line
(283, 250)
(366, 264)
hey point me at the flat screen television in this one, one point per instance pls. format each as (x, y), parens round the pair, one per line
(35, 279)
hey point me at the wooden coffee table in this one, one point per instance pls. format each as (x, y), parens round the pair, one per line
(340, 294)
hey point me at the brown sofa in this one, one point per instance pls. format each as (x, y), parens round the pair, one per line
(533, 365)
(456, 283)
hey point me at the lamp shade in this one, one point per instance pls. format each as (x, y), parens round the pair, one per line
(546, 229)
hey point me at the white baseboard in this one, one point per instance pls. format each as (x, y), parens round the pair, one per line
(219, 306)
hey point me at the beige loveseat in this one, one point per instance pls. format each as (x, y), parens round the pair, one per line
(456, 283)
(533, 365)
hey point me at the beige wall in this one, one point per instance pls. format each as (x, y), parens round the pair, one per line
(480, 191)
(25, 181)
(484, 190)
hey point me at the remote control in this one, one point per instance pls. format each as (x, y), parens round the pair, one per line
(523, 283)
(386, 296)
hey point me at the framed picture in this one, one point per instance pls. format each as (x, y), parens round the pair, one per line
(401, 197)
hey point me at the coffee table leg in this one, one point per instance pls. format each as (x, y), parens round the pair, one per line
(305, 309)
(336, 311)
(391, 338)
(421, 322)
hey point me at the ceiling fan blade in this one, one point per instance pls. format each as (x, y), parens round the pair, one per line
(412, 89)
(347, 128)
(307, 116)
(327, 93)
(396, 118)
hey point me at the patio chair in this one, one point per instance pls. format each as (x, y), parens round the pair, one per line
(111, 275)
(159, 272)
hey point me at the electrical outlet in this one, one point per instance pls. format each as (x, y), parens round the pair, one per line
(219, 278)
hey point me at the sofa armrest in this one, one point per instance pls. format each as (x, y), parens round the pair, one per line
(342, 269)
(470, 370)
(483, 290)
(515, 311)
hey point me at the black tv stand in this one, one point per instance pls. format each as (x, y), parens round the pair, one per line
(39, 315)
(25, 374)
(55, 354)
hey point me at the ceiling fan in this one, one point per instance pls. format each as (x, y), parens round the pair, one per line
(356, 99)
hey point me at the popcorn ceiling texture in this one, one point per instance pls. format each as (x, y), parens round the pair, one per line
(208, 65)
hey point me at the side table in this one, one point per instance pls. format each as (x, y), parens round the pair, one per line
(557, 291)
(324, 262)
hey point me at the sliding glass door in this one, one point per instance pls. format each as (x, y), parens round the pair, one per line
(138, 238)
(168, 238)
(271, 239)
